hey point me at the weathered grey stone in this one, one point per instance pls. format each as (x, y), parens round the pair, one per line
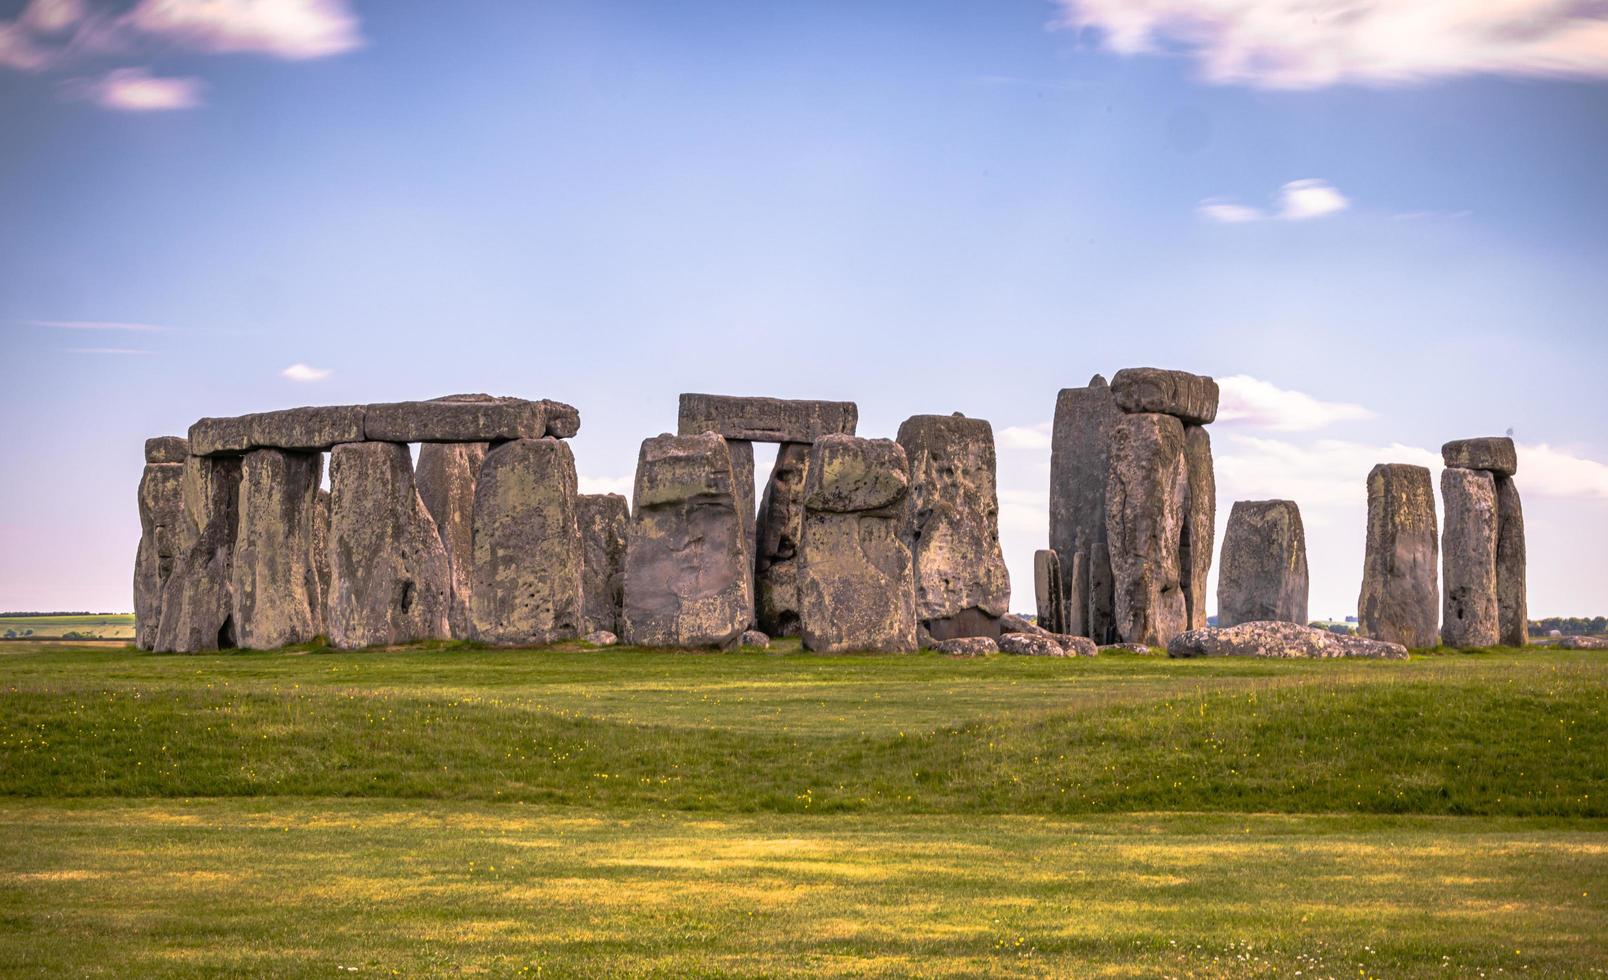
(221, 436)
(197, 611)
(446, 474)
(1030, 645)
(1191, 398)
(388, 568)
(962, 586)
(1147, 493)
(1263, 574)
(1079, 464)
(687, 569)
(967, 646)
(742, 476)
(274, 579)
(1468, 557)
(605, 520)
(563, 421)
(1048, 592)
(765, 419)
(320, 559)
(1138, 648)
(162, 540)
(1200, 525)
(780, 526)
(1512, 603)
(601, 638)
(456, 418)
(1281, 640)
(527, 545)
(1493, 453)
(856, 590)
(1077, 646)
(755, 639)
(1583, 643)
(1400, 599)
(310, 430)
(166, 449)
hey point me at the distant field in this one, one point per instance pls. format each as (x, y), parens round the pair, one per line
(578, 811)
(109, 627)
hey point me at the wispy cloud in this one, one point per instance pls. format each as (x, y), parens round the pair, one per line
(1548, 471)
(304, 372)
(1298, 200)
(604, 484)
(99, 325)
(1257, 404)
(104, 350)
(137, 90)
(296, 29)
(1297, 44)
(1036, 436)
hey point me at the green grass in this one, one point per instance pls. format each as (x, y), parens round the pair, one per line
(112, 626)
(754, 813)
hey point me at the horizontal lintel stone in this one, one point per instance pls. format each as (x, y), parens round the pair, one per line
(765, 419)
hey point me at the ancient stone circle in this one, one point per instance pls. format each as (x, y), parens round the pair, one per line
(855, 544)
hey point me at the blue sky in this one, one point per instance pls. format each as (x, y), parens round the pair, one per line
(923, 207)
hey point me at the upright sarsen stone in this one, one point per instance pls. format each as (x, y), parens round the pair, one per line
(1048, 592)
(446, 475)
(1147, 493)
(1468, 553)
(1263, 573)
(197, 609)
(962, 586)
(527, 545)
(161, 507)
(1512, 604)
(856, 589)
(320, 547)
(388, 568)
(687, 569)
(1079, 466)
(605, 521)
(274, 579)
(777, 534)
(1200, 524)
(1400, 597)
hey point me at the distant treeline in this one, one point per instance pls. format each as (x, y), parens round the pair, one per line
(1570, 625)
(80, 612)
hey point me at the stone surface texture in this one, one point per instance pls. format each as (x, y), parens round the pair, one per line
(1079, 465)
(1400, 598)
(563, 420)
(388, 568)
(1147, 493)
(274, 577)
(320, 547)
(952, 508)
(1468, 558)
(605, 522)
(1512, 602)
(967, 646)
(166, 449)
(1494, 453)
(1279, 640)
(446, 474)
(601, 638)
(526, 585)
(779, 528)
(456, 418)
(197, 610)
(1191, 398)
(765, 419)
(1048, 593)
(1030, 645)
(1262, 575)
(162, 538)
(1200, 524)
(220, 436)
(755, 639)
(311, 429)
(856, 588)
(687, 567)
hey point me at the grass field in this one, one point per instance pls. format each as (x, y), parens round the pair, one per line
(582, 811)
(110, 626)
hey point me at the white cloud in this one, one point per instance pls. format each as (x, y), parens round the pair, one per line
(98, 325)
(304, 372)
(1297, 200)
(137, 90)
(605, 484)
(283, 28)
(1025, 510)
(1324, 472)
(1036, 436)
(1550, 472)
(1299, 44)
(1258, 404)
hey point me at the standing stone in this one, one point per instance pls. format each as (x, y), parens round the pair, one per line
(687, 569)
(779, 529)
(1512, 604)
(1079, 464)
(1263, 575)
(197, 610)
(952, 507)
(273, 577)
(527, 545)
(161, 504)
(1048, 591)
(1400, 598)
(742, 475)
(856, 585)
(388, 568)
(605, 520)
(1146, 509)
(446, 475)
(321, 561)
(1468, 552)
(1200, 523)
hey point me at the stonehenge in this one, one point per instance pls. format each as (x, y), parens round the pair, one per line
(1262, 573)
(853, 544)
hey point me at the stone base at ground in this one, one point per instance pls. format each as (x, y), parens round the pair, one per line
(1279, 640)
(967, 646)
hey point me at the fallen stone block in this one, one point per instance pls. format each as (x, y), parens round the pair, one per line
(755, 640)
(1030, 645)
(967, 646)
(1279, 640)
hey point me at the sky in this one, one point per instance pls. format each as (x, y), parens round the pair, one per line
(1380, 225)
